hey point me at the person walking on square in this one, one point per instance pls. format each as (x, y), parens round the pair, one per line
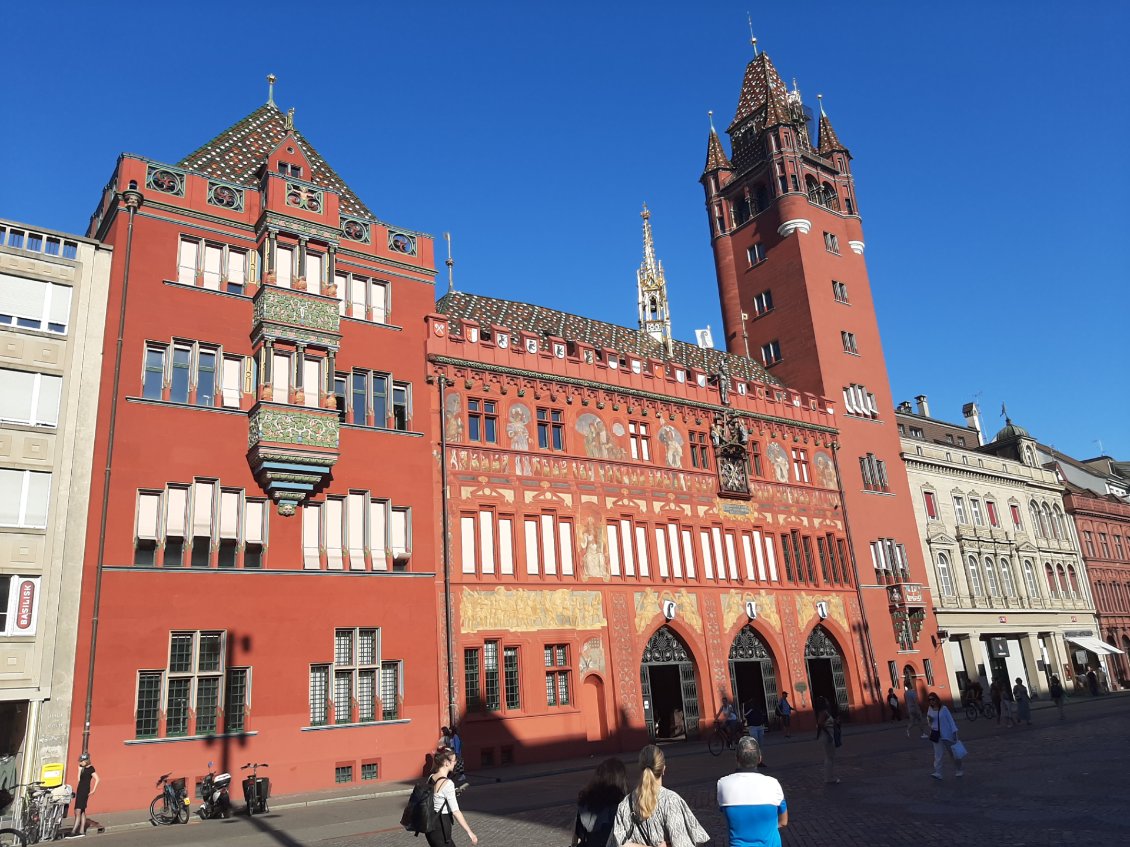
(1023, 702)
(597, 804)
(755, 722)
(653, 815)
(1008, 702)
(995, 696)
(1055, 688)
(785, 712)
(753, 804)
(825, 734)
(445, 802)
(893, 705)
(1092, 682)
(943, 735)
(913, 711)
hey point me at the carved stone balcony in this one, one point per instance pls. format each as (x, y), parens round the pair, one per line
(291, 450)
(302, 317)
(905, 595)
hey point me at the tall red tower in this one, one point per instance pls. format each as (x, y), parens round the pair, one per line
(788, 249)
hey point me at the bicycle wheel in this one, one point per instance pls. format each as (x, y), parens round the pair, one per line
(182, 812)
(160, 813)
(717, 743)
(971, 712)
(12, 838)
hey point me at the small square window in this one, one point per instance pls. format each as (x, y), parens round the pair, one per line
(370, 771)
(343, 773)
(756, 254)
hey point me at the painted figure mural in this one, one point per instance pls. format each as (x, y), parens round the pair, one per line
(517, 427)
(825, 470)
(672, 441)
(453, 417)
(598, 443)
(779, 459)
(593, 543)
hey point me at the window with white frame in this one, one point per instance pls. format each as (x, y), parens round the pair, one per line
(1008, 588)
(217, 267)
(991, 576)
(975, 510)
(190, 372)
(889, 559)
(548, 545)
(800, 464)
(213, 525)
(19, 605)
(639, 440)
(849, 343)
(24, 498)
(959, 509)
(771, 353)
(355, 532)
(840, 292)
(31, 304)
(831, 243)
(487, 542)
(30, 398)
(355, 687)
(755, 253)
(763, 303)
(945, 575)
(861, 402)
(1030, 579)
(874, 473)
(185, 697)
(362, 297)
(487, 684)
(974, 571)
(557, 675)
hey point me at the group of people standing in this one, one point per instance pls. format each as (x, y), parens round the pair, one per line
(609, 814)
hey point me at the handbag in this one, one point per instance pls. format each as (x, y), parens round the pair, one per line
(935, 736)
(959, 751)
(837, 735)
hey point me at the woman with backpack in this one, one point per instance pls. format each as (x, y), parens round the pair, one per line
(654, 816)
(1057, 693)
(444, 802)
(597, 803)
(825, 734)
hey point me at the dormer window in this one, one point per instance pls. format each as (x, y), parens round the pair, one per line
(287, 169)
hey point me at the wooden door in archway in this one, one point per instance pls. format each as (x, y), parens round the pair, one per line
(594, 708)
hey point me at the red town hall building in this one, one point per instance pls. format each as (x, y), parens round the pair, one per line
(260, 561)
(788, 249)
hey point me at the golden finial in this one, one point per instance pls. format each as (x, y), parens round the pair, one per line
(645, 214)
(271, 89)
(290, 118)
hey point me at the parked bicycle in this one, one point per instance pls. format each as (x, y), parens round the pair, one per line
(41, 813)
(722, 739)
(12, 838)
(984, 708)
(256, 789)
(171, 805)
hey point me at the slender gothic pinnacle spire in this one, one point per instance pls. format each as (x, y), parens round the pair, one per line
(716, 159)
(655, 316)
(829, 141)
(271, 89)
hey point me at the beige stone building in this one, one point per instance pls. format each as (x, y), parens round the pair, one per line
(52, 317)
(1007, 582)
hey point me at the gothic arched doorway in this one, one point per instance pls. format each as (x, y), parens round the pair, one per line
(670, 692)
(752, 676)
(825, 662)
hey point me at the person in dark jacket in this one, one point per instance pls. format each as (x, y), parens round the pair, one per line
(597, 803)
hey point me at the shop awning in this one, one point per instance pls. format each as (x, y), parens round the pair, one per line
(1093, 644)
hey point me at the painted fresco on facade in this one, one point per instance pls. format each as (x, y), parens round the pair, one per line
(518, 426)
(672, 442)
(528, 611)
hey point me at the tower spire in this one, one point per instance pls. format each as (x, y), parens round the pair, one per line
(655, 315)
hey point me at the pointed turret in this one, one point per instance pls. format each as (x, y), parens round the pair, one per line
(764, 96)
(716, 156)
(829, 141)
(655, 315)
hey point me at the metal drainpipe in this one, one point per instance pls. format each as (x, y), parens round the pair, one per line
(874, 686)
(132, 199)
(448, 606)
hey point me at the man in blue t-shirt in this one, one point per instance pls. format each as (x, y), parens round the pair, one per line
(752, 803)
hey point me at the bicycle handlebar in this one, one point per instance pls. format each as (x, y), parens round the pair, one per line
(254, 765)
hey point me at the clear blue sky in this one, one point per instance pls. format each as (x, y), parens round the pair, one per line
(989, 145)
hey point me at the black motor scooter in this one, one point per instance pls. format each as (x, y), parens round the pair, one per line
(214, 799)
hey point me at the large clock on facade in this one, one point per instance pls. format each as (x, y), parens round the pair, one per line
(732, 475)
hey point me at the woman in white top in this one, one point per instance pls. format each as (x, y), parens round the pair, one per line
(445, 802)
(943, 734)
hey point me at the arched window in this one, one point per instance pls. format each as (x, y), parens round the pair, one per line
(1061, 524)
(1062, 574)
(945, 578)
(1073, 579)
(812, 188)
(1053, 587)
(653, 309)
(1030, 579)
(991, 576)
(1053, 530)
(829, 197)
(1035, 510)
(1029, 455)
(974, 576)
(1007, 588)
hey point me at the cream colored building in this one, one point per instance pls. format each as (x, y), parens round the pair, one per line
(1007, 582)
(53, 290)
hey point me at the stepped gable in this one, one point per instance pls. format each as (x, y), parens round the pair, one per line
(237, 153)
(516, 317)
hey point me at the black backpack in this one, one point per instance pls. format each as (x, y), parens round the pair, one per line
(601, 829)
(420, 813)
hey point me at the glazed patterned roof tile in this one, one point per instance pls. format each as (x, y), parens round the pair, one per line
(237, 153)
(544, 322)
(829, 141)
(762, 88)
(715, 155)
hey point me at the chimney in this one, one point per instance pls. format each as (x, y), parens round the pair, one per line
(923, 406)
(904, 406)
(973, 420)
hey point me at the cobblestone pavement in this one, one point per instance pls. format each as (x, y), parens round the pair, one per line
(1055, 783)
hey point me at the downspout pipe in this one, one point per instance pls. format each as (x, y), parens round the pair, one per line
(132, 199)
(448, 603)
(874, 675)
